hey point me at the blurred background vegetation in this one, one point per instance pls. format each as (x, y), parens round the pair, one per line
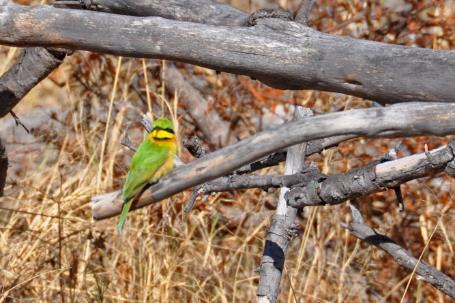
(51, 250)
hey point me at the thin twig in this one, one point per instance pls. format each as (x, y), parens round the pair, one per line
(127, 142)
(19, 122)
(146, 123)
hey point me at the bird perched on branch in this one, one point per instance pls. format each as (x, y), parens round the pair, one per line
(153, 159)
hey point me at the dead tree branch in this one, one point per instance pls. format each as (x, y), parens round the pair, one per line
(215, 130)
(31, 67)
(198, 11)
(35, 64)
(279, 53)
(395, 120)
(376, 176)
(373, 178)
(236, 182)
(426, 271)
(282, 228)
(313, 147)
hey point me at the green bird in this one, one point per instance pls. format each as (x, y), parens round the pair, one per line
(153, 159)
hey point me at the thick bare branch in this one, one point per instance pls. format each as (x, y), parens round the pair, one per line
(282, 228)
(32, 66)
(199, 11)
(35, 64)
(399, 119)
(403, 257)
(373, 178)
(283, 54)
(376, 176)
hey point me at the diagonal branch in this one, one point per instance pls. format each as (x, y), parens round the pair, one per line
(426, 271)
(373, 178)
(32, 66)
(215, 130)
(279, 53)
(394, 120)
(313, 147)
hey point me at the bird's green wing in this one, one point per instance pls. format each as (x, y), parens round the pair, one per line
(146, 161)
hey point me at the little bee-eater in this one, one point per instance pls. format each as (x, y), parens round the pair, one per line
(153, 159)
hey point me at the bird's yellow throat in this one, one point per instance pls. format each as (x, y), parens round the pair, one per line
(160, 135)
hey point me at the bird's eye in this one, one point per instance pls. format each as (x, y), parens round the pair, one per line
(169, 130)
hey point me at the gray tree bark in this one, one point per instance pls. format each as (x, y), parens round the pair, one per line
(282, 228)
(215, 130)
(403, 257)
(32, 66)
(395, 120)
(373, 178)
(282, 54)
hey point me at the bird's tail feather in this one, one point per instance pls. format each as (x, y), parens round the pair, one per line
(125, 209)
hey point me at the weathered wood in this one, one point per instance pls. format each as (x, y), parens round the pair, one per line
(313, 147)
(32, 66)
(399, 119)
(215, 130)
(320, 189)
(282, 226)
(283, 54)
(199, 11)
(373, 178)
(403, 257)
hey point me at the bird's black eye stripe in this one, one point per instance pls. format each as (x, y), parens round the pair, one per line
(169, 130)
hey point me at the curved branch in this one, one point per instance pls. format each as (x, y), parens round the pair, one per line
(403, 257)
(283, 54)
(392, 121)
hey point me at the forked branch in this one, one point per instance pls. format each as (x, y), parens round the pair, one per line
(394, 120)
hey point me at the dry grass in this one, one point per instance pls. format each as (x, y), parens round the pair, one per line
(52, 251)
